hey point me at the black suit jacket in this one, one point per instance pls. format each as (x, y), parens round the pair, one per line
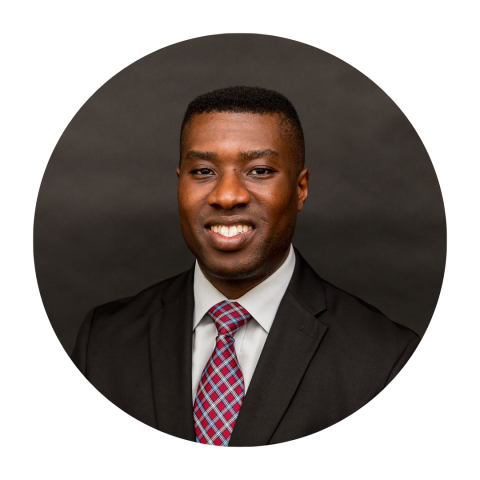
(327, 354)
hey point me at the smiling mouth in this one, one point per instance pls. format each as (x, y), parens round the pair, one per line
(230, 231)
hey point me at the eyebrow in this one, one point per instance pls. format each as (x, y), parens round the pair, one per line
(250, 155)
(253, 154)
(192, 154)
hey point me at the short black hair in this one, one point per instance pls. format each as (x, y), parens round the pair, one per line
(243, 99)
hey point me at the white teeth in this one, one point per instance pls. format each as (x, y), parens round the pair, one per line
(230, 231)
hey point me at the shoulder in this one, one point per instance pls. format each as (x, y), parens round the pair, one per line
(354, 314)
(125, 319)
(353, 324)
(361, 343)
(141, 304)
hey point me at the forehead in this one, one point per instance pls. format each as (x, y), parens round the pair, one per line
(241, 131)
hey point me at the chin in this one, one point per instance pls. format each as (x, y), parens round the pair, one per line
(231, 273)
(257, 262)
(234, 269)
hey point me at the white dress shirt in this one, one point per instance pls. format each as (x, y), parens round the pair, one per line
(261, 302)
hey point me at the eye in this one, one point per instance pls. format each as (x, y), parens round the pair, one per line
(260, 171)
(203, 171)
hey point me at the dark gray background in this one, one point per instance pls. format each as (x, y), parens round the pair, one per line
(106, 223)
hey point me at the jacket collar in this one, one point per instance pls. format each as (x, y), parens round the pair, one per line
(307, 287)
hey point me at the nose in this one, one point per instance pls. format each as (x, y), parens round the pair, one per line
(229, 192)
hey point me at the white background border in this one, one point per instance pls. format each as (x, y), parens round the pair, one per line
(424, 55)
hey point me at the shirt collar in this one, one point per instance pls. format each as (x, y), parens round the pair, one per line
(261, 302)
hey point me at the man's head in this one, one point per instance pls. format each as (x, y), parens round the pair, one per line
(241, 183)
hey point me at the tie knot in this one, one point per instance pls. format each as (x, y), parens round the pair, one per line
(229, 317)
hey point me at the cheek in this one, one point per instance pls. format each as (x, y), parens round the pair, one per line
(186, 217)
(279, 207)
(192, 215)
(189, 201)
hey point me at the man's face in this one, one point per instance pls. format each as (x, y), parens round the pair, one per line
(238, 194)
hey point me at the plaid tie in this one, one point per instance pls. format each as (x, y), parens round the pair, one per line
(221, 389)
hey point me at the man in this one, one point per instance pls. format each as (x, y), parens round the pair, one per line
(249, 347)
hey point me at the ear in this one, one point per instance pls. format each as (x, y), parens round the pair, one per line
(178, 171)
(302, 187)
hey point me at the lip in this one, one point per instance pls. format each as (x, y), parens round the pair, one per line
(230, 221)
(229, 243)
(236, 242)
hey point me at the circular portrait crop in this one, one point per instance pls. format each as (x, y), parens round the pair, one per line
(240, 240)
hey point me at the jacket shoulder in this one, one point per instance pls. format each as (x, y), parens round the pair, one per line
(145, 302)
(374, 342)
(339, 309)
(119, 322)
(359, 337)
(356, 313)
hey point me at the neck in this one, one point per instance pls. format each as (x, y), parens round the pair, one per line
(234, 289)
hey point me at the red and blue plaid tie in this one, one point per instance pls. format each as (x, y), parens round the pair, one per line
(221, 389)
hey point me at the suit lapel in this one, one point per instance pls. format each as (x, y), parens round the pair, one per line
(291, 343)
(171, 359)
